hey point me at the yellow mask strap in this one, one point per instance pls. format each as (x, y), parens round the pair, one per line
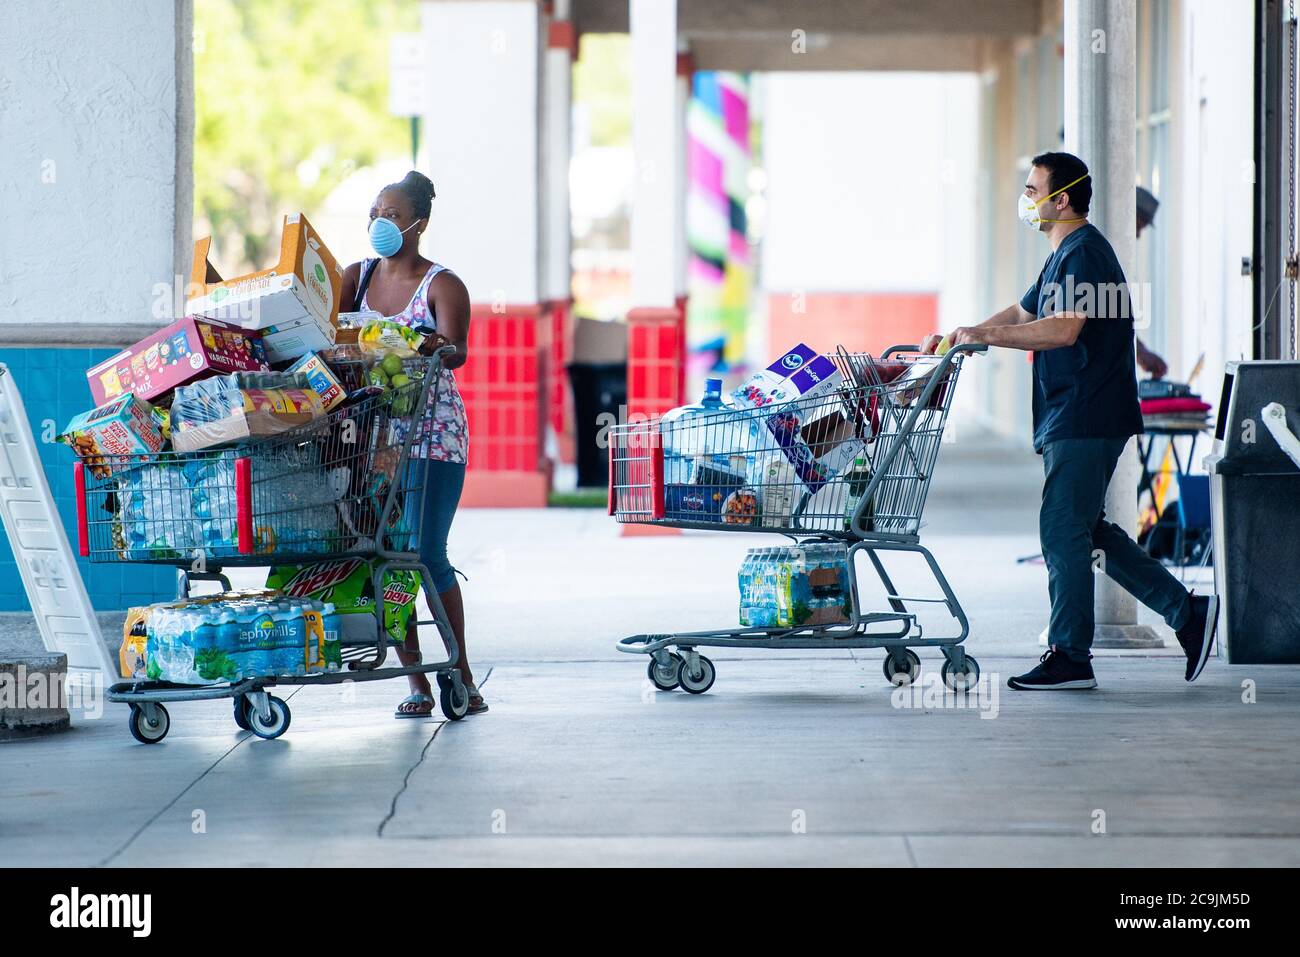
(1053, 193)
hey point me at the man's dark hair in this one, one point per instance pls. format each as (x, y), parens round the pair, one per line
(1063, 169)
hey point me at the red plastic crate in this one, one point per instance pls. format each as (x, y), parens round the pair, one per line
(655, 361)
(501, 385)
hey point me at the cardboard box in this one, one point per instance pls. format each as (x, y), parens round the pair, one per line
(120, 427)
(320, 378)
(294, 303)
(188, 349)
(804, 420)
(262, 412)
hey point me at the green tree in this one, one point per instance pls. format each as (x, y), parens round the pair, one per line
(290, 96)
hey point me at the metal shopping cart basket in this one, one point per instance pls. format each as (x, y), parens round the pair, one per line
(849, 466)
(342, 486)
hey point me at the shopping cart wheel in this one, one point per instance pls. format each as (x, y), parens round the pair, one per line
(962, 680)
(146, 731)
(699, 683)
(453, 697)
(902, 667)
(241, 712)
(664, 678)
(274, 725)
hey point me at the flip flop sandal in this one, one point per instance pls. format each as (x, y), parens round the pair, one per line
(481, 706)
(416, 699)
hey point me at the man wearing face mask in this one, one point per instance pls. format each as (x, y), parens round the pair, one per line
(1077, 320)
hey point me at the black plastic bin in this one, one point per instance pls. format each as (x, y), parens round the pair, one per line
(1255, 514)
(599, 395)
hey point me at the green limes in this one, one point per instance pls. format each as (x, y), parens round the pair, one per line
(391, 364)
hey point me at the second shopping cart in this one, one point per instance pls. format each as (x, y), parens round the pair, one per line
(840, 462)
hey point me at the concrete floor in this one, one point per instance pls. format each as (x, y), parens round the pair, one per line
(793, 758)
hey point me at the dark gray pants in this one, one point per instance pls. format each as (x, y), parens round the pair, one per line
(1077, 541)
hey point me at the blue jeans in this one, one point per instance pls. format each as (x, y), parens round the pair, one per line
(443, 485)
(1072, 527)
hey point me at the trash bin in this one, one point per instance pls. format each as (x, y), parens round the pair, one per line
(599, 392)
(1255, 512)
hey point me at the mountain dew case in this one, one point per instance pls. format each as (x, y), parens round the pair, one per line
(348, 585)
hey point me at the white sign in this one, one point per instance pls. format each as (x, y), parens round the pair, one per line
(408, 75)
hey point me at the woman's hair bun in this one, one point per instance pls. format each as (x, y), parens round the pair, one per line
(417, 188)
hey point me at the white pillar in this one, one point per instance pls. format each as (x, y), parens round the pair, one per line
(482, 138)
(557, 99)
(1100, 122)
(656, 129)
(683, 102)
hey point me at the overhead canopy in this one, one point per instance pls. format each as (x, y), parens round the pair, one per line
(836, 34)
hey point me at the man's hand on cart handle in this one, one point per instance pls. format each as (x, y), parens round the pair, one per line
(961, 336)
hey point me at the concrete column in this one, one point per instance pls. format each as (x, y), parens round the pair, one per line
(1100, 121)
(484, 140)
(656, 131)
(556, 241)
(557, 101)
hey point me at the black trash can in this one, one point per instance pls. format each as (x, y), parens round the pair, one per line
(599, 395)
(1255, 513)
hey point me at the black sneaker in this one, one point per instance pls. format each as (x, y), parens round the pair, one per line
(1056, 671)
(1197, 636)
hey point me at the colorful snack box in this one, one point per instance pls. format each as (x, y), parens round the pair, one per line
(121, 427)
(295, 303)
(188, 349)
(320, 378)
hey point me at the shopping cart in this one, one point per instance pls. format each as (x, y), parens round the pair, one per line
(342, 486)
(851, 466)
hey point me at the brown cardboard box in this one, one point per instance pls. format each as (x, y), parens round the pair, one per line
(294, 303)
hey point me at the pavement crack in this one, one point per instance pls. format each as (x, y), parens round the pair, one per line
(172, 803)
(245, 736)
(406, 779)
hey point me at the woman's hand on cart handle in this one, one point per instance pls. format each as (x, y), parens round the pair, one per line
(438, 345)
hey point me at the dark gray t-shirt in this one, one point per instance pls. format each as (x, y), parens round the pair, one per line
(1089, 389)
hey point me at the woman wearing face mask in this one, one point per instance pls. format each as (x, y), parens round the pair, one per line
(404, 287)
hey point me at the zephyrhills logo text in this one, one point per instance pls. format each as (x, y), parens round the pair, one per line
(78, 910)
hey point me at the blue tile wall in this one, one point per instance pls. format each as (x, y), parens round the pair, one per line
(53, 386)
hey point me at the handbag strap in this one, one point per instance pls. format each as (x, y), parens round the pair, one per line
(361, 286)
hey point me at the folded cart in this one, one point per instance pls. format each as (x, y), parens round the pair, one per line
(341, 486)
(842, 470)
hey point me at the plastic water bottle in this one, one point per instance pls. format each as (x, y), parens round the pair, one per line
(290, 637)
(333, 624)
(683, 439)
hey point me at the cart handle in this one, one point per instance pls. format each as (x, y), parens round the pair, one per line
(83, 528)
(971, 347)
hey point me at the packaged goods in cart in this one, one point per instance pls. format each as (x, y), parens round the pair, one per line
(294, 304)
(188, 349)
(795, 586)
(319, 379)
(202, 642)
(216, 411)
(348, 587)
(764, 388)
(778, 489)
(154, 519)
(123, 426)
(386, 336)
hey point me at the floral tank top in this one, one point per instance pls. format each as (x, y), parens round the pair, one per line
(445, 435)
